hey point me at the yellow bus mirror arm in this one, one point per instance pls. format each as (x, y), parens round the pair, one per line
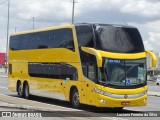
(154, 59)
(94, 52)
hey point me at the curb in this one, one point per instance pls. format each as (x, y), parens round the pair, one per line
(157, 94)
(3, 76)
(14, 102)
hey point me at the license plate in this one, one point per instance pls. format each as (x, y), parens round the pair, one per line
(125, 103)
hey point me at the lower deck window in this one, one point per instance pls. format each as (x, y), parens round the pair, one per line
(52, 70)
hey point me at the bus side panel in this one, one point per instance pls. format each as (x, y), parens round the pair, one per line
(16, 73)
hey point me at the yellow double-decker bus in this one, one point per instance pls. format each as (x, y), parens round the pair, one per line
(95, 64)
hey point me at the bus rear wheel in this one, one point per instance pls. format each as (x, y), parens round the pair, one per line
(20, 90)
(26, 91)
(75, 98)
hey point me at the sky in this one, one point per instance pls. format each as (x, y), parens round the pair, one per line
(143, 14)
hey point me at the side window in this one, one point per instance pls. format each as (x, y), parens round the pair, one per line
(60, 38)
(69, 42)
(84, 69)
(63, 70)
(55, 39)
(52, 70)
(14, 42)
(85, 36)
(56, 71)
(89, 71)
(43, 40)
(44, 70)
(71, 73)
(31, 41)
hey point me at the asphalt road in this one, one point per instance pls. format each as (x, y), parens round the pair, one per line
(153, 104)
(154, 88)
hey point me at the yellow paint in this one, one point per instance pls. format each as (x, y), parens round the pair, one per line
(154, 59)
(99, 54)
(94, 52)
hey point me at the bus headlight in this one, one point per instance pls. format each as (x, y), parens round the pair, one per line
(102, 92)
(120, 96)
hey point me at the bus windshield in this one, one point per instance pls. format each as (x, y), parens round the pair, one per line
(123, 72)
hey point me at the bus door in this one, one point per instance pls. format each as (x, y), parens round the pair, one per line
(70, 78)
(88, 94)
(89, 72)
(90, 99)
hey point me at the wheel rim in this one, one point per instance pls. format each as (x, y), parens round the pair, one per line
(26, 91)
(76, 99)
(20, 90)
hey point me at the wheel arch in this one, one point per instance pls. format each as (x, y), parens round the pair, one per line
(71, 90)
(25, 82)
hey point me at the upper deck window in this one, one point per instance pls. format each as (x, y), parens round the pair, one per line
(60, 38)
(85, 36)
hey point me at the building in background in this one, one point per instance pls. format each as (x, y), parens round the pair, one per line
(153, 71)
(2, 59)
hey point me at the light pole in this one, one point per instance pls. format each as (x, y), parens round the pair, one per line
(7, 37)
(15, 29)
(73, 10)
(33, 22)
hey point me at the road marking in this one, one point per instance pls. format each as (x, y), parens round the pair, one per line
(116, 118)
(4, 76)
(4, 87)
(4, 82)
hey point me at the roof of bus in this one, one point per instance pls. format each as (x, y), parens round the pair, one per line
(43, 29)
(70, 26)
(103, 24)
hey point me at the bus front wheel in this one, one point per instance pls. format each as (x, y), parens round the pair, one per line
(26, 91)
(75, 98)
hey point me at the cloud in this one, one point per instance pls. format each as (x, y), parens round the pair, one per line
(144, 14)
(142, 7)
(147, 45)
(153, 41)
(42, 9)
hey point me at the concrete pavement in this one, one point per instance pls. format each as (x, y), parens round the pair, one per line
(30, 104)
(2, 70)
(150, 93)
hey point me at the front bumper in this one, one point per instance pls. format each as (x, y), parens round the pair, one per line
(105, 101)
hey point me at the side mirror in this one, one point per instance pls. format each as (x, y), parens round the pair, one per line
(93, 52)
(154, 59)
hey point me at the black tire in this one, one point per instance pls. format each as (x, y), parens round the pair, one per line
(20, 90)
(157, 83)
(26, 91)
(75, 99)
(118, 108)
